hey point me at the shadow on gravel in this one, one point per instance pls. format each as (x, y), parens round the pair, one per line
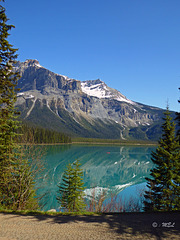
(158, 225)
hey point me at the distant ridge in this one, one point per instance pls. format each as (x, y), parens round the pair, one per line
(82, 109)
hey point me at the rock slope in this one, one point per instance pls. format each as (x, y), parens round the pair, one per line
(87, 109)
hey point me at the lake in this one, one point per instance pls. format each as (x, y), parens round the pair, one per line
(114, 168)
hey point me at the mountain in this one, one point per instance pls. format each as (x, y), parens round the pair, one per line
(84, 109)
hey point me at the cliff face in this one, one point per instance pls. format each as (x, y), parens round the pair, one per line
(87, 109)
(35, 77)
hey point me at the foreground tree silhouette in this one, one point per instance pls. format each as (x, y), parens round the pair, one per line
(16, 178)
(71, 190)
(164, 184)
(8, 124)
(8, 82)
(178, 122)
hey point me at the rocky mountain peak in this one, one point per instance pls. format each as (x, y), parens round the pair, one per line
(93, 82)
(36, 77)
(99, 89)
(22, 66)
(87, 109)
(32, 62)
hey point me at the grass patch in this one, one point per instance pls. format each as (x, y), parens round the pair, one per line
(112, 141)
(30, 212)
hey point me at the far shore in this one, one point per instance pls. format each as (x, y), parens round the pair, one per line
(116, 143)
(97, 143)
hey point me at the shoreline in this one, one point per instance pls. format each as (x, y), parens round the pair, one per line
(95, 143)
(115, 143)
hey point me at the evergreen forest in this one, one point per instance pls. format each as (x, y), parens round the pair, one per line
(41, 135)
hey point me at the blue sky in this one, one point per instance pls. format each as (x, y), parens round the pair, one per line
(131, 45)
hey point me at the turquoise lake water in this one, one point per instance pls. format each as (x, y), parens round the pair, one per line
(118, 169)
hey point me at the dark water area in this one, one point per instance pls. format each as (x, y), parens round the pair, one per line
(117, 169)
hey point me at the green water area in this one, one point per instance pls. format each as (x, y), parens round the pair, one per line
(118, 169)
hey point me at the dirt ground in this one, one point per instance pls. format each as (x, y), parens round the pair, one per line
(107, 226)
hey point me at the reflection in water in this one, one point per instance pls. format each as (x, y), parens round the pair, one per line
(105, 167)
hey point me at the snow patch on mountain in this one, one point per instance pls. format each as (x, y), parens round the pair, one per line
(95, 90)
(25, 95)
(99, 89)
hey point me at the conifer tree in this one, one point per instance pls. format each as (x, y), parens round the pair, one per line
(164, 184)
(178, 122)
(71, 190)
(16, 178)
(8, 92)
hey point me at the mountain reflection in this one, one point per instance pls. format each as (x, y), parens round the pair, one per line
(111, 167)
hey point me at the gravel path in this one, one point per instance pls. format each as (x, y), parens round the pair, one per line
(116, 226)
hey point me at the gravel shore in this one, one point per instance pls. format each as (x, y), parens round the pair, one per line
(160, 226)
